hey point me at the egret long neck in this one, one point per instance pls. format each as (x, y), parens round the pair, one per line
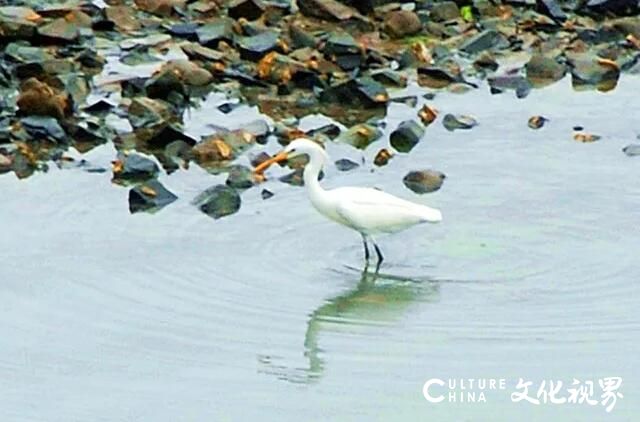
(310, 177)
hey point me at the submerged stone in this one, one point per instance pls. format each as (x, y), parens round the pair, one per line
(632, 150)
(594, 72)
(485, 40)
(452, 122)
(218, 201)
(424, 181)
(361, 92)
(406, 136)
(344, 164)
(149, 197)
(517, 83)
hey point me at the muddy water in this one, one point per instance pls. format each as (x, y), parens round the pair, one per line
(266, 315)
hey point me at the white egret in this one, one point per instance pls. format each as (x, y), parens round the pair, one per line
(366, 210)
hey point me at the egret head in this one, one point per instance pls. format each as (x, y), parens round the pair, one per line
(295, 148)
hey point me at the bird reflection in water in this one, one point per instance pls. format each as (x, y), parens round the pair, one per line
(378, 299)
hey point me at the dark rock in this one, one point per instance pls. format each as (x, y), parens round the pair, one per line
(330, 130)
(486, 61)
(406, 136)
(259, 129)
(444, 11)
(240, 177)
(248, 9)
(257, 46)
(218, 201)
(301, 38)
(436, 77)
(266, 194)
(552, 9)
(215, 31)
(542, 70)
(536, 122)
(424, 181)
(344, 50)
(227, 108)
(344, 164)
(44, 127)
(632, 150)
(618, 7)
(452, 122)
(401, 23)
(485, 40)
(259, 159)
(177, 154)
(149, 197)
(361, 92)
(132, 167)
(146, 112)
(517, 83)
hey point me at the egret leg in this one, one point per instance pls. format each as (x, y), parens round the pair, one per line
(366, 248)
(380, 257)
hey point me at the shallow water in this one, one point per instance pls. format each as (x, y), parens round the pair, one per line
(266, 315)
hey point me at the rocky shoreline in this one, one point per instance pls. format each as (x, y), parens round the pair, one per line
(342, 59)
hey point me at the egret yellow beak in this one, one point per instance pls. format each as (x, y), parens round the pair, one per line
(278, 158)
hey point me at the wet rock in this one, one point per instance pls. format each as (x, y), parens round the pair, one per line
(218, 201)
(248, 9)
(360, 136)
(172, 78)
(149, 197)
(409, 100)
(177, 154)
(452, 122)
(552, 9)
(586, 138)
(536, 122)
(160, 7)
(38, 98)
(212, 151)
(486, 61)
(18, 22)
(390, 77)
(44, 127)
(59, 30)
(618, 7)
(148, 112)
(327, 9)
(424, 181)
(632, 150)
(485, 40)
(401, 23)
(444, 11)
(543, 70)
(344, 164)
(436, 77)
(428, 115)
(406, 136)
(343, 49)
(595, 72)
(382, 157)
(132, 167)
(257, 46)
(266, 194)
(123, 17)
(215, 31)
(6, 162)
(240, 177)
(517, 83)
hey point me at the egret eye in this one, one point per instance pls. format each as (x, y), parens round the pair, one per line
(291, 151)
